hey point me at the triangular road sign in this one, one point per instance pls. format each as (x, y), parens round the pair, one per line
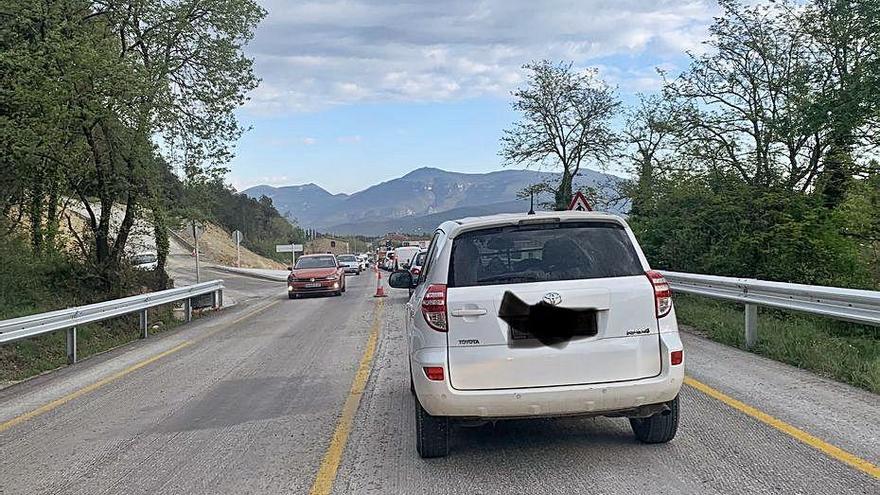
(579, 203)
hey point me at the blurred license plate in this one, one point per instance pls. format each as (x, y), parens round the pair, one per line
(312, 285)
(583, 325)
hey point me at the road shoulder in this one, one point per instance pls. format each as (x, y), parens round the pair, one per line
(839, 414)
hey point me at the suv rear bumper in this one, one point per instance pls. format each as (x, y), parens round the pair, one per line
(438, 398)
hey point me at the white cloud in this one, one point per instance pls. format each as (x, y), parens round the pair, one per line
(316, 54)
(349, 139)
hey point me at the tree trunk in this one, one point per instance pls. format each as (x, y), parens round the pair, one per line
(35, 214)
(563, 192)
(160, 232)
(52, 217)
(837, 172)
(643, 197)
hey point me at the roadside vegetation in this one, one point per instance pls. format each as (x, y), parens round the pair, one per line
(125, 112)
(757, 160)
(842, 351)
(33, 284)
(771, 177)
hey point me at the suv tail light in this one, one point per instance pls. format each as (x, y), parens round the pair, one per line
(662, 293)
(434, 307)
(434, 373)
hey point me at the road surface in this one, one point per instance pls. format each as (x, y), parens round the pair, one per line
(259, 399)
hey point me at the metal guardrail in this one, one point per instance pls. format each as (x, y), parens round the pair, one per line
(853, 305)
(70, 318)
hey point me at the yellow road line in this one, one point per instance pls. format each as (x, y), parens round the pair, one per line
(100, 383)
(792, 431)
(73, 395)
(323, 483)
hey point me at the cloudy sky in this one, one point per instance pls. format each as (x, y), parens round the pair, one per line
(355, 92)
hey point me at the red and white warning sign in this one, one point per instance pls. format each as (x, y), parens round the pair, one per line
(579, 203)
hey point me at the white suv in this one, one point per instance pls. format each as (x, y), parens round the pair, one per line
(623, 359)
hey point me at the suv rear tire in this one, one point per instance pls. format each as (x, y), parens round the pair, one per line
(432, 434)
(659, 428)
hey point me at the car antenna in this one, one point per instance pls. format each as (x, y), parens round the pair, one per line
(531, 203)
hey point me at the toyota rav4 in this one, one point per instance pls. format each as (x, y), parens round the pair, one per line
(541, 315)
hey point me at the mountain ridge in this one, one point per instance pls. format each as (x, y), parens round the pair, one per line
(404, 201)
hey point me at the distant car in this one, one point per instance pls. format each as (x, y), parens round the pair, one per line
(418, 262)
(416, 266)
(388, 262)
(403, 257)
(316, 274)
(350, 262)
(146, 261)
(479, 342)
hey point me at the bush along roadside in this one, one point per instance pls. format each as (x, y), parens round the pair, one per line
(842, 351)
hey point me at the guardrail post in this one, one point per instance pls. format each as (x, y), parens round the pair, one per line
(751, 325)
(188, 308)
(220, 298)
(144, 323)
(215, 298)
(71, 345)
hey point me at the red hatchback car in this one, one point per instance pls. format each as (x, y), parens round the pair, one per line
(316, 274)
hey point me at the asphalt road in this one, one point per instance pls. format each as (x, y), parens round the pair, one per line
(251, 399)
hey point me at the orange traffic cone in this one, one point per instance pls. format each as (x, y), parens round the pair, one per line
(380, 290)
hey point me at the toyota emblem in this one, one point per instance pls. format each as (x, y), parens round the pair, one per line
(552, 298)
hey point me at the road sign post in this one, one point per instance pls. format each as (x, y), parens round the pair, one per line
(237, 237)
(197, 232)
(289, 248)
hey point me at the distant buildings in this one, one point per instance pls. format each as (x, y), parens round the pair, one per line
(326, 245)
(422, 244)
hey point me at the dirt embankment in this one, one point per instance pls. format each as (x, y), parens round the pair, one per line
(216, 245)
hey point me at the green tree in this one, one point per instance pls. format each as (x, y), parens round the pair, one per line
(565, 121)
(845, 42)
(653, 130)
(92, 83)
(748, 99)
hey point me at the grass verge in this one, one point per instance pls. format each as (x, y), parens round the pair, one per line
(843, 351)
(30, 357)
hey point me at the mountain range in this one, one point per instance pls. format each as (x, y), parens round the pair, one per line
(416, 202)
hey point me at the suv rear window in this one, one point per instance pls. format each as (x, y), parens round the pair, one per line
(542, 253)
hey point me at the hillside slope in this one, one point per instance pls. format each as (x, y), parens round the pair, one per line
(427, 223)
(216, 245)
